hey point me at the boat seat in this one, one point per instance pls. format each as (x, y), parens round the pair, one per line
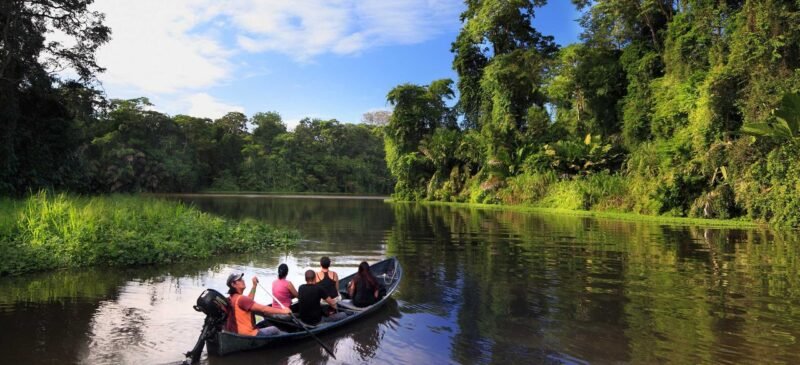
(348, 304)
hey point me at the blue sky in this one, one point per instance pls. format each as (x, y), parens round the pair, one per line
(312, 58)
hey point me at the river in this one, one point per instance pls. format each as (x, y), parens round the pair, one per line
(479, 287)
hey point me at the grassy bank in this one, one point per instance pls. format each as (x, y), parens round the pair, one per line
(633, 217)
(619, 196)
(50, 231)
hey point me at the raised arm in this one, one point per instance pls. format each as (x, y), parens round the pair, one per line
(252, 294)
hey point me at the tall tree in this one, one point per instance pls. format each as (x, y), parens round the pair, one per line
(35, 125)
(267, 126)
(418, 112)
(501, 60)
(141, 150)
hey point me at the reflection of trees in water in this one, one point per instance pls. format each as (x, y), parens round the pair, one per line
(601, 290)
(48, 317)
(330, 220)
(367, 337)
(53, 330)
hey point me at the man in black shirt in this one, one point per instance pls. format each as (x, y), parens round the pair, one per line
(309, 295)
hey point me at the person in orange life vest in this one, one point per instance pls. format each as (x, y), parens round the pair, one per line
(240, 319)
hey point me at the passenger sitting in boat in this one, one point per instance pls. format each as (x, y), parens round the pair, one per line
(241, 320)
(326, 279)
(283, 290)
(309, 295)
(364, 288)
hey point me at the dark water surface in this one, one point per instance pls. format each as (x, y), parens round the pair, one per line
(480, 287)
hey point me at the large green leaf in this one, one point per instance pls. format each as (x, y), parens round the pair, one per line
(789, 112)
(785, 126)
(783, 129)
(758, 129)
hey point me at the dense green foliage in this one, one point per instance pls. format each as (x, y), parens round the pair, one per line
(136, 149)
(125, 147)
(687, 108)
(60, 134)
(63, 135)
(48, 231)
(41, 117)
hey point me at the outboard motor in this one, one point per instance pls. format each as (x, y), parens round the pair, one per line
(215, 306)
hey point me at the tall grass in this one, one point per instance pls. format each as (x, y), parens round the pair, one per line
(527, 188)
(599, 191)
(48, 231)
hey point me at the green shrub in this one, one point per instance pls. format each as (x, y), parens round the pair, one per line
(49, 231)
(563, 195)
(576, 157)
(526, 188)
(769, 190)
(604, 191)
(676, 196)
(719, 203)
(226, 181)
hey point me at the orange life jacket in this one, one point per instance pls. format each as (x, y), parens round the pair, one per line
(244, 319)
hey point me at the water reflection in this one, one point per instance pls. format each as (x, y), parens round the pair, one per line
(566, 289)
(479, 287)
(329, 221)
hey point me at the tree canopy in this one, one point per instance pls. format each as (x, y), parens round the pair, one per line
(663, 107)
(63, 134)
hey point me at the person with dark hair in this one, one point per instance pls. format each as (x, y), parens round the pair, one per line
(326, 279)
(243, 306)
(309, 295)
(364, 288)
(283, 290)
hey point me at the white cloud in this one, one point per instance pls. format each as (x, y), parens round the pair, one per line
(155, 47)
(205, 106)
(291, 123)
(305, 29)
(176, 50)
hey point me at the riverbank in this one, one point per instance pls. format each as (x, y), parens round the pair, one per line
(631, 217)
(51, 231)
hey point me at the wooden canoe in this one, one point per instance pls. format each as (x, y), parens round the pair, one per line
(388, 272)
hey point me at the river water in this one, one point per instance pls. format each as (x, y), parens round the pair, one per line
(479, 287)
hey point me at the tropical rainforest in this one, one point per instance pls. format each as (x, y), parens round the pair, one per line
(680, 108)
(672, 107)
(64, 134)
